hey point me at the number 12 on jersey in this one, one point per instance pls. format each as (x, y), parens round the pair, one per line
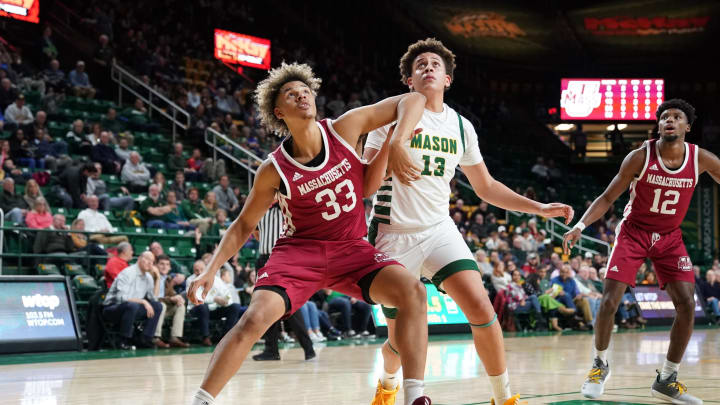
(672, 198)
(439, 169)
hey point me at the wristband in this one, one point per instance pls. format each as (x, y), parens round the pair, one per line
(579, 226)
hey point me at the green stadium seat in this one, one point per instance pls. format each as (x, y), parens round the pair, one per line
(48, 269)
(99, 271)
(85, 286)
(73, 270)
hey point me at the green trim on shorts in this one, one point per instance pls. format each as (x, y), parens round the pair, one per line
(390, 313)
(452, 268)
(384, 197)
(385, 188)
(372, 231)
(381, 220)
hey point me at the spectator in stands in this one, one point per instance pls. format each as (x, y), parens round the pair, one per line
(199, 121)
(39, 217)
(111, 123)
(104, 153)
(209, 169)
(175, 218)
(177, 162)
(193, 96)
(338, 302)
(311, 317)
(579, 139)
(10, 170)
(588, 290)
(198, 216)
(220, 223)
(540, 170)
(157, 249)
(161, 183)
(54, 77)
(13, 205)
(478, 229)
(226, 275)
(172, 303)
(520, 302)
(54, 153)
(226, 198)
(178, 186)
(54, 242)
(210, 203)
(77, 139)
(96, 186)
(649, 278)
(80, 81)
(18, 115)
(96, 221)
(40, 121)
(531, 265)
(217, 305)
(81, 243)
(138, 117)
(459, 207)
(22, 151)
(481, 258)
(47, 47)
(8, 94)
(32, 192)
(135, 174)
(103, 54)
(710, 290)
(116, 264)
(131, 296)
(223, 101)
(154, 209)
(570, 295)
(122, 149)
(500, 278)
(72, 185)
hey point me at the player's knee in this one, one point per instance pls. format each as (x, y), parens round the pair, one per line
(609, 305)
(255, 321)
(417, 296)
(685, 305)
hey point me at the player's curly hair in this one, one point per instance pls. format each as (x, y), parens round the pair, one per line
(422, 46)
(681, 105)
(267, 92)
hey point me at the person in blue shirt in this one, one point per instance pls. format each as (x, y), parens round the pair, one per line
(571, 297)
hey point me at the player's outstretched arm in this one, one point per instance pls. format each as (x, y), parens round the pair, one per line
(709, 162)
(262, 194)
(407, 109)
(499, 195)
(631, 167)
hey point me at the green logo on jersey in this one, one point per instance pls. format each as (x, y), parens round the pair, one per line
(436, 143)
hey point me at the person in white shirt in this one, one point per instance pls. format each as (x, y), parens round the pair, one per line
(96, 221)
(19, 114)
(135, 174)
(218, 304)
(481, 258)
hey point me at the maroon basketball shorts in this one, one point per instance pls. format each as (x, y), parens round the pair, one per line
(297, 268)
(666, 251)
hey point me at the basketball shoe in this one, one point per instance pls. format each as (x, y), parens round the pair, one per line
(513, 400)
(383, 396)
(673, 391)
(423, 400)
(594, 385)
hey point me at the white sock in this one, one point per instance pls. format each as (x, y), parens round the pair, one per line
(668, 368)
(390, 381)
(414, 389)
(601, 354)
(202, 397)
(500, 387)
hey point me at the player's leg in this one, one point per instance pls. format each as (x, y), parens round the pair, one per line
(398, 288)
(265, 308)
(467, 289)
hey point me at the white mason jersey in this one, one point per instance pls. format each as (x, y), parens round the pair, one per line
(446, 141)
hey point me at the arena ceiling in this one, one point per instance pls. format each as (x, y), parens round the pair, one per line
(622, 32)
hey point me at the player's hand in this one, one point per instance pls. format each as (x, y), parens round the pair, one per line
(553, 210)
(205, 280)
(570, 239)
(400, 164)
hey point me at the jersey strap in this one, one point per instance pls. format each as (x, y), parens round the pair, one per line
(462, 130)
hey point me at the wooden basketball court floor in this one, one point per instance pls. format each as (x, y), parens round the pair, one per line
(544, 369)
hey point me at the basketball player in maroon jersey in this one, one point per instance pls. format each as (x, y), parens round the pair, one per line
(661, 177)
(320, 182)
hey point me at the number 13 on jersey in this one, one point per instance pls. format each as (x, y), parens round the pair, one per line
(332, 203)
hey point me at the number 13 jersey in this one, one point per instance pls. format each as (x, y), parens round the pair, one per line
(446, 141)
(659, 197)
(323, 202)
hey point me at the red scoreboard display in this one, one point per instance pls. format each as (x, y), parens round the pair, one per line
(611, 99)
(25, 10)
(246, 50)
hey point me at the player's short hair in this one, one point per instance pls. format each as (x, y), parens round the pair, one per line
(267, 92)
(681, 105)
(422, 46)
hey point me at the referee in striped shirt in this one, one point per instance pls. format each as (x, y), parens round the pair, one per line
(270, 228)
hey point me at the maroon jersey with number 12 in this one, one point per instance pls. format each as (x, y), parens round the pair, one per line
(323, 202)
(660, 197)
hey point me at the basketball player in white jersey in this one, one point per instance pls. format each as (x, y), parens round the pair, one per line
(411, 221)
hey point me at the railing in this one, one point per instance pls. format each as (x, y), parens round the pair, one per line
(557, 229)
(153, 98)
(248, 160)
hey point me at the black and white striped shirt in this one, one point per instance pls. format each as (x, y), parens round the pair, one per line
(270, 228)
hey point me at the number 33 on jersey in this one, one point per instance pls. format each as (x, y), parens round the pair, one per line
(322, 202)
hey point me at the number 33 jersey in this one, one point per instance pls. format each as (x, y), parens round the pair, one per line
(323, 202)
(446, 141)
(659, 197)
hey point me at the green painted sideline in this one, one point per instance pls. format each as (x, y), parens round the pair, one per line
(113, 354)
